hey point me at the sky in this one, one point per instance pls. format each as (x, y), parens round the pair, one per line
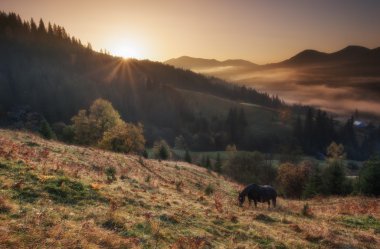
(260, 31)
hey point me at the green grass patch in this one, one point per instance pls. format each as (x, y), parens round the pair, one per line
(361, 222)
(27, 194)
(168, 219)
(66, 191)
(32, 144)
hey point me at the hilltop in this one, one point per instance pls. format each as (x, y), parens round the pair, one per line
(55, 195)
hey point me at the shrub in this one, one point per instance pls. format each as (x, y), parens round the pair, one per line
(369, 176)
(306, 211)
(111, 174)
(292, 178)
(209, 189)
(124, 137)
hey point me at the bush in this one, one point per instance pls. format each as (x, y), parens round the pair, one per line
(209, 189)
(369, 183)
(111, 174)
(249, 167)
(125, 138)
(292, 178)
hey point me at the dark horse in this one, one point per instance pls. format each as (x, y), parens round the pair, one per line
(258, 193)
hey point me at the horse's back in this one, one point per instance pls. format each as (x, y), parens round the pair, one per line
(268, 192)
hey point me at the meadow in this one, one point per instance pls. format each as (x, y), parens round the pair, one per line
(54, 195)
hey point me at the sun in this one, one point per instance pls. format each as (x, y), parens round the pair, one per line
(128, 51)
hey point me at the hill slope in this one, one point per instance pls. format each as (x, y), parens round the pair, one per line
(57, 196)
(313, 78)
(47, 71)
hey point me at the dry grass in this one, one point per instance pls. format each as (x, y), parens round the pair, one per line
(57, 196)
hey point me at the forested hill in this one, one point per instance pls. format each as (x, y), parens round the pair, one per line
(49, 72)
(43, 67)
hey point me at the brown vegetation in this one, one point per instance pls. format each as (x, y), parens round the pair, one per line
(142, 207)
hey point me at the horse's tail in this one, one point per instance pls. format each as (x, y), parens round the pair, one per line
(274, 201)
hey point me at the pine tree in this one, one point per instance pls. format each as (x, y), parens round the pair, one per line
(41, 27)
(145, 154)
(369, 176)
(46, 131)
(218, 164)
(308, 131)
(208, 163)
(298, 129)
(315, 184)
(188, 157)
(33, 26)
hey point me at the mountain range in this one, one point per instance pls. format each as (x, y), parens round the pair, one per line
(350, 75)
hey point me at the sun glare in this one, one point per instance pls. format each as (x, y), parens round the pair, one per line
(128, 51)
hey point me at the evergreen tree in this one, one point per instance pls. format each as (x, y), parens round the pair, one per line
(41, 27)
(308, 131)
(369, 176)
(298, 129)
(188, 157)
(33, 26)
(161, 150)
(232, 125)
(334, 175)
(46, 131)
(218, 164)
(145, 154)
(314, 185)
(334, 179)
(208, 163)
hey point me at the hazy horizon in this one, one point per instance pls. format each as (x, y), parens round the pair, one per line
(261, 32)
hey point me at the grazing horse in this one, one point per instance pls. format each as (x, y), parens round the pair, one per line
(257, 193)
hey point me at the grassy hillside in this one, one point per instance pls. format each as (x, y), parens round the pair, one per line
(57, 196)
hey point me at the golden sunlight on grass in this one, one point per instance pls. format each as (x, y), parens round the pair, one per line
(60, 196)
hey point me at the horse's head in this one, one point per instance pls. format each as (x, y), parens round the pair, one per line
(241, 199)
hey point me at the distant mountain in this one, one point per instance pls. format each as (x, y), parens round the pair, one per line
(351, 75)
(350, 54)
(188, 62)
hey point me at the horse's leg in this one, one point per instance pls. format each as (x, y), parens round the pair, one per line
(274, 202)
(249, 201)
(268, 204)
(255, 201)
